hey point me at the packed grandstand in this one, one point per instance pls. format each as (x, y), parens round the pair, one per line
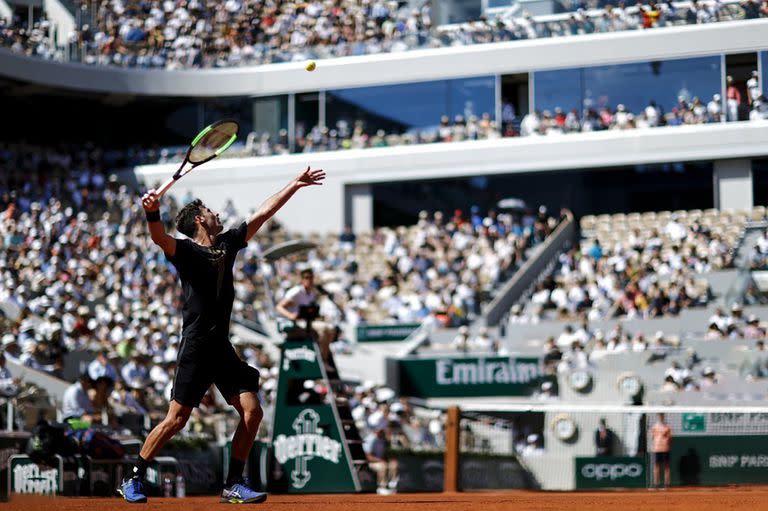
(235, 33)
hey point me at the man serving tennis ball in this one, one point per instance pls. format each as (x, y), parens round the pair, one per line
(204, 263)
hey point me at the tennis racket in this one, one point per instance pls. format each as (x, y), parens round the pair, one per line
(207, 145)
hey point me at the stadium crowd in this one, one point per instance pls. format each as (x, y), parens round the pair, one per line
(587, 348)
(341, 136)
(635, 272)
(81, 274)
(605, 118)
(195, 33)
(442, 269)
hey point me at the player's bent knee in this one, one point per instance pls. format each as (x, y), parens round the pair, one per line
(176, 422)
(252, 418)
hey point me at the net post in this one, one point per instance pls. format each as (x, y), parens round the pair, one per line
(451, 457)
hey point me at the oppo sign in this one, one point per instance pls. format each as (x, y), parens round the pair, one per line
(612, 471)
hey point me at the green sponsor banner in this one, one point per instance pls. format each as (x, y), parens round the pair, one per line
(25, 476)
(470, 376)
(306, 440)
(694, 422)
(714, 460)
(377, 333)
(610, 472)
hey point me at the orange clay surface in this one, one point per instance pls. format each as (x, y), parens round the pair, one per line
(678, 499)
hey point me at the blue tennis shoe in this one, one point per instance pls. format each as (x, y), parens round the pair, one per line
(132, 490)
(239, 493)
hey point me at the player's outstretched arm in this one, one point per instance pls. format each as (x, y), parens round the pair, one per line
(273, 204)
(151, 203)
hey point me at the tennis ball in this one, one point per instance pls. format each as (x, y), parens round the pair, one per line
(310, 65)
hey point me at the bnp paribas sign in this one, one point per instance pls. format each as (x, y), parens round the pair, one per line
(470, 376)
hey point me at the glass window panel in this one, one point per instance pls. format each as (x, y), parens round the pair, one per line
(270, 114)
(307, 112)
(472, 96)
(635, 85)
(763, 69)
(559, 88)
(237, 108)
(410, 106)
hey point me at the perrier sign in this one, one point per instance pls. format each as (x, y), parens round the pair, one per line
(25, 476)
(307, 439)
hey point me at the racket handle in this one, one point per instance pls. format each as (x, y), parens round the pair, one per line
(165, 187)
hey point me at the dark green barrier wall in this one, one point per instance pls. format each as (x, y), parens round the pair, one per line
(712, 460)
(424, 473)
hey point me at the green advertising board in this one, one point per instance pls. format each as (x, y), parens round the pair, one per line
(470, 376)
(694, 422)
(610, 472)
(715, 460)
(379, 333)
(26, 476)
(307, 440)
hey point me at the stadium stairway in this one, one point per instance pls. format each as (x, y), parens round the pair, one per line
(53, 386)
(5, 10)
(61, 14)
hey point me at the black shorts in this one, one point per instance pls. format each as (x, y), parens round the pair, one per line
(661, 457)
(202, 363)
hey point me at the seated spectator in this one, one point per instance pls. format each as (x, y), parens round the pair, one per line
(678, 373)
(756, 366)
(547, 392)
(670, 385)
(753, 330)
(76, 403)
(376, 445)
(639, 343)
(461, 342)
(552, 353)
(100, 367)
(9, 386)
(708, 377)
(482, 341)
(599, 350)
(123, 399)
(532, 446)
(713, 331)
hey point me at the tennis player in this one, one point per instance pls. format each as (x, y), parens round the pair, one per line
(204, 264)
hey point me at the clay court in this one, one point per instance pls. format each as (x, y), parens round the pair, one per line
(681, 499)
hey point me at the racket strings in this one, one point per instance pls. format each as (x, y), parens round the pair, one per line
(213, 142)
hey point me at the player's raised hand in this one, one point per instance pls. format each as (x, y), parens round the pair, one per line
(310, 177)
(150, 201)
